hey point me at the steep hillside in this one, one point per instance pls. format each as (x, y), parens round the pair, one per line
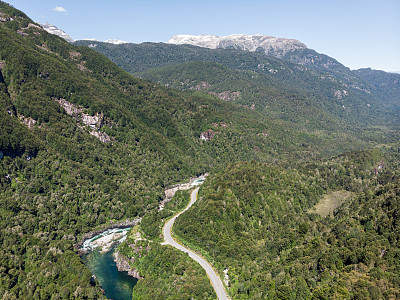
(286, 49)
(251, 220)
(83, 144)
(383, 83)
(296, 52)
(322, 120)
(255, 90)
(316, 78)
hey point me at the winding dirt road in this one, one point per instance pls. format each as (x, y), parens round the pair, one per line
(216, 281)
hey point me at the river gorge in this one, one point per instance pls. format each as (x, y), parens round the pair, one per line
(98, 256)
(98, 250)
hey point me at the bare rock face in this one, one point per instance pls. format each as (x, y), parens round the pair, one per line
(124, 266)
(94, 122)
(340, 94)
(268, 44)
(103, 137)
(29, 122)
(201, 86)
(4, 17)
(227, 95)
(207, 135)
(70, 109)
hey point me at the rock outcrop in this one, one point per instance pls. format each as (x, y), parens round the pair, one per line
(207, 135)
(5, 18)
(94, 122)
(201, 86)
(124, 266)
(50, 28)
(29, 122)
(227, 95)
(340, 94)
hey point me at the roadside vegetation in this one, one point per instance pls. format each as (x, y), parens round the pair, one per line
(252, 219)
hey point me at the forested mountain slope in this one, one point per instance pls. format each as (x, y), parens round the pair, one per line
(83, 144)
(252, 220)
(315, 78)
(263, 93)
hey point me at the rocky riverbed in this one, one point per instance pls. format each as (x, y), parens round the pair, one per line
(105, 240)
(170, 192)
(85, 244)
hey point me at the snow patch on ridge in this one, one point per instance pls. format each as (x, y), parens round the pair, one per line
(54, 30)
(265, 43)
(50, 28)
(116, 42)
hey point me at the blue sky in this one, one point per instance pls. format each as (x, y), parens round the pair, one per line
(358, 33)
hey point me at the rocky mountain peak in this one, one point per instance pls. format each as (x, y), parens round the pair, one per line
(265, 43)
(55, 30)
(50, 28)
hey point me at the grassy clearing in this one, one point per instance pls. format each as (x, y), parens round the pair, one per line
(330, 202)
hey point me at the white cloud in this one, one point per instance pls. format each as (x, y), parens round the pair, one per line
(60, 9)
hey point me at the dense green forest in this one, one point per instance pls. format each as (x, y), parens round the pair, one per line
(322, 117)
(84, 144)
(327, 103)
(253, 219)
(301, 76)
(167, 273)
(58, 181)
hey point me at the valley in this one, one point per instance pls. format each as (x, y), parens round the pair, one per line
(296, 155)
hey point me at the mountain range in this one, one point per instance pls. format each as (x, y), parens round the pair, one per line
(55, 30)
(268, 44)
(92, 133)
(342, 97)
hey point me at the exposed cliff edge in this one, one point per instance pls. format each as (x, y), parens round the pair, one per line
(93, 122)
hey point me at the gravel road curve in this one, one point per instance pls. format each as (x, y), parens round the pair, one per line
(169, 240)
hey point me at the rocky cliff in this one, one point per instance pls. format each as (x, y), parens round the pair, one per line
(124, 266)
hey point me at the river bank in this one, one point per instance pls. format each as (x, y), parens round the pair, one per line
(105, 240)
(170, 191)
(116, 285)
(90, 235)
(98, 249)
(113, 272)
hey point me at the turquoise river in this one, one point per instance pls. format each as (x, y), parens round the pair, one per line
(117, 285)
